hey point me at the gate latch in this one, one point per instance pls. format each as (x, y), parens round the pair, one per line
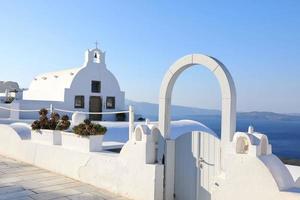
(200, 162)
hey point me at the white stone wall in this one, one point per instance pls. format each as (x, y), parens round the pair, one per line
(126, 174)
(5, 113)
(295, 172)
(248, 178)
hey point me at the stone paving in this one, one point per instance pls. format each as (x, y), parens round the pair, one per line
(22, 181)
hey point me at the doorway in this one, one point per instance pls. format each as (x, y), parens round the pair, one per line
(95, 106)
(197, 162)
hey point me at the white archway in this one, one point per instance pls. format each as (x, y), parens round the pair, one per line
(228, 124)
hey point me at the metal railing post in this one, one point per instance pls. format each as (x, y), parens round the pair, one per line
(131, 122)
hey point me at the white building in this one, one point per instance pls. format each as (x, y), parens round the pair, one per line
(90, 88)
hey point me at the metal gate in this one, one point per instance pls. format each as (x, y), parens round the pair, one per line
(197, 161)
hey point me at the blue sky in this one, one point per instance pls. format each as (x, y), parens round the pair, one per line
(259, 42)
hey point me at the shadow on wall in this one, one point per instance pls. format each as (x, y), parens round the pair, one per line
(22, 129)
(298, 182)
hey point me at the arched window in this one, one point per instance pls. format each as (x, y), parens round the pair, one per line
(242, 145)
(264, 146)
(96, 57)
(138, 134)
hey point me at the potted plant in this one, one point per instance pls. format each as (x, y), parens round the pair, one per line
(49, 130)
(87, 137)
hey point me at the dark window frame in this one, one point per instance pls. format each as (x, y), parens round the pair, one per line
(113, 103)
(96, 88)
(82, 100)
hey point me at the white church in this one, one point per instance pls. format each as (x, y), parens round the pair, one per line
(89, 88)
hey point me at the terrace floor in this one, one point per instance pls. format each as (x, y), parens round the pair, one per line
(22, 181)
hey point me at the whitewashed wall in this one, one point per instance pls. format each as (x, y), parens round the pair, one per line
(5, 113)
(36, 105)
(126, 174)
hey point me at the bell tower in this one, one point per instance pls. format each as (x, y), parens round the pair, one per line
(95, 55)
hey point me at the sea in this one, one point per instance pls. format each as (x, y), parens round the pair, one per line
(284, 135)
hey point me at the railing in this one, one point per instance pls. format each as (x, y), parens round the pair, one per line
(18, 110)
(130, 115)
(52, 109)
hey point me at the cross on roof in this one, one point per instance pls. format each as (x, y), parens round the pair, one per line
(96, 43)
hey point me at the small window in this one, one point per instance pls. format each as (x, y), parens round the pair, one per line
(79, 102)
(110, 102)
(264, 146)
(96, 86)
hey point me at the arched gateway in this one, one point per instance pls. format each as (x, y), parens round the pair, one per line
(227, 89)
(228, 123)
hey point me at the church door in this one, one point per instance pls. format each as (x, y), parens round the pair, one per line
(95, 106)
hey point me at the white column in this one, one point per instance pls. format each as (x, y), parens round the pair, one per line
(170, 172)
(131, 122)
(51, 108)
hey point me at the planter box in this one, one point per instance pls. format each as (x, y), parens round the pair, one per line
(84, 144)
(46, 136)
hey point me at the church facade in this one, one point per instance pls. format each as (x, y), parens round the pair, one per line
(90, 88)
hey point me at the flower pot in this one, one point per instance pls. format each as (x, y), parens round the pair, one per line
(91, 143)
(46, 136)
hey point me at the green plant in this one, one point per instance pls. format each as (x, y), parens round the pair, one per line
(87, 121)
(36, 125)
(54, 120)
(65, 117)
(88, 128)
(54, 123)
(44, 123)
(43, 112)
(64, 123)
(55, 116)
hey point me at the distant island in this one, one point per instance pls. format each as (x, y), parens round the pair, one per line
(150, 110)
